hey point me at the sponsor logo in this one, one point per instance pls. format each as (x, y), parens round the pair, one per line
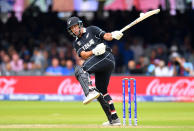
(69, 87)
(181, 87)
(7, 86)
(87, 45)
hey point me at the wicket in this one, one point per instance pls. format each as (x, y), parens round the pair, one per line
(129, 101)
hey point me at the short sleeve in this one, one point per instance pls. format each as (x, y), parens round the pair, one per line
(97, 31)
(77, 48)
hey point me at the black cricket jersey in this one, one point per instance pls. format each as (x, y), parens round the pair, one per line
(101, 66)
(91, 37)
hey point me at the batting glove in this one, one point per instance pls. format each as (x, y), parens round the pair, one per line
(117, 35)
(99, 49)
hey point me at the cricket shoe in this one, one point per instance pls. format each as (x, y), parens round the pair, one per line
(91, 96)
(115, 122)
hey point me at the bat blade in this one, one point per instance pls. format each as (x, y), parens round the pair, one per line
(142, 17)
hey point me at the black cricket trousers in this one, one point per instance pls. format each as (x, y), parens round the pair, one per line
(102, 66)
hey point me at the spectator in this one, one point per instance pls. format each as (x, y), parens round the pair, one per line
(174, 64)
(127, 54)
(5, 61)
(2, 54)
(69, 54)
(26, 70)
(118, 59)
(62, 58)
(55, 69)
(186, 47)
(137, 48)
(173, 51)
(191, 57)
(152, 66)
(53, 51)
(38, 59)
(152, 56)
(142, 64)
(173, 48)
(160, 54)
(46, 60)
(131, 66)
(162, 70)
(68, 70)
(8, 70)
(16, 63)
(24, 54)
(187, 66)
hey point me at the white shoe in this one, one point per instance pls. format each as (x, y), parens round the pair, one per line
(91, 96)
(106, 123)
(116, 122)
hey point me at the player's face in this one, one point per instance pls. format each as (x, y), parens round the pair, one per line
(75, 29)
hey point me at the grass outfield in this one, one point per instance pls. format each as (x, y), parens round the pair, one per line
(74, 116)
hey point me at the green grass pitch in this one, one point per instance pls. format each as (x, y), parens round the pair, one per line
(74, 116)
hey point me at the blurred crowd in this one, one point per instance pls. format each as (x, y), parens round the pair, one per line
(40, 45)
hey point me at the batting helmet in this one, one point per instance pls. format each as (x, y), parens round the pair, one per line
(73, 21)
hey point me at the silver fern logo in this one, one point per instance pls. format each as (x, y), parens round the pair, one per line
(87, 35)
(69, 22)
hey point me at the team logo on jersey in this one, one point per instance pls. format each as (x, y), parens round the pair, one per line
(69, 22)
(87, 35)
(79, 43)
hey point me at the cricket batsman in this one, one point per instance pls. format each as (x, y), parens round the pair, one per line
(90, 45)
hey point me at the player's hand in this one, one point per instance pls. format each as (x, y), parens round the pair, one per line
(117, 35)
(99, 49)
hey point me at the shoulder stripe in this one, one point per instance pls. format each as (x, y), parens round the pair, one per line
(101, 33)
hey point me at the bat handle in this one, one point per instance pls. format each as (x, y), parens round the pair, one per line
(122, 30)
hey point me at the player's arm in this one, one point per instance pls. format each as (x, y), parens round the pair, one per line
(113, 35)
(86, 54)
(81, 52)
(108, 36)
(98, 50)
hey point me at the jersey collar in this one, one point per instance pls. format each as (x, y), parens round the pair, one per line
(84, 30)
